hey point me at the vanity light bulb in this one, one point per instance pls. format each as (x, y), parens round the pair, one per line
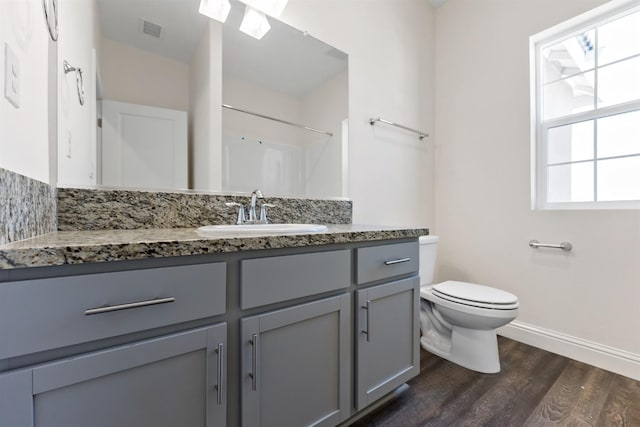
(254, 23)
(215, 9)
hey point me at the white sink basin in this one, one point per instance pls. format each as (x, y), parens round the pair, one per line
(212, 230)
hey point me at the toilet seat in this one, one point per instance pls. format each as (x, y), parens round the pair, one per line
(475, 295)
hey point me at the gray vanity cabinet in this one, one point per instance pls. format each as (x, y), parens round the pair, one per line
(316, 335)
(296, 365)
(387, 319)
(387, 329)
(173, 380)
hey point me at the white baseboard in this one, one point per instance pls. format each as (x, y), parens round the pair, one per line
(608, 358)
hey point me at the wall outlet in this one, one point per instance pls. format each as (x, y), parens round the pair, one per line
(11, 76)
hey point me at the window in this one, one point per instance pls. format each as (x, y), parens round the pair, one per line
(586, 111)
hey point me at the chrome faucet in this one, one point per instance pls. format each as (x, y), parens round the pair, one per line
(253, 217)
(242, 218)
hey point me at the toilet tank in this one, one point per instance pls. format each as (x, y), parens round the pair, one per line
(428, 253)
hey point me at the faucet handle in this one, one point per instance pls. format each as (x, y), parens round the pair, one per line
(241, 215)
(263, 212)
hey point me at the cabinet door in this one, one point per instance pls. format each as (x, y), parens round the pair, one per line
(387, 328)
(295, 365)
(175, 380)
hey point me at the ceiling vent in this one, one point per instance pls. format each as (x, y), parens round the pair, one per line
(151, 29)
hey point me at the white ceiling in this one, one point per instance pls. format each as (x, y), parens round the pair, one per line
(181, 22)
(437, 3)
(284, 60)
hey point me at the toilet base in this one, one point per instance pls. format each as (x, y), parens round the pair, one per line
(471, 348)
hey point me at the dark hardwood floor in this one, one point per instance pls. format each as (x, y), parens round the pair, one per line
(535, 388)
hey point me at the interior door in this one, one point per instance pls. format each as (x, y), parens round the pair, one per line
(143, 147)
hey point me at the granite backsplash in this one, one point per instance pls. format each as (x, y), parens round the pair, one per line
(27, 207)
(30, 208)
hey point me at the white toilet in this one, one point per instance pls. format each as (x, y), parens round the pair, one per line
(458, 320)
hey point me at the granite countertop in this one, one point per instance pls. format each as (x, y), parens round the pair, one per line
(79, 247)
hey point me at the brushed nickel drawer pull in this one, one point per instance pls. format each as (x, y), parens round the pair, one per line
(367, 332)
(397, 261)
(110, 308)
(220, 386)
(254, 361)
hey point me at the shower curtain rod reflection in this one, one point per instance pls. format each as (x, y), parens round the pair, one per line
(277, 120)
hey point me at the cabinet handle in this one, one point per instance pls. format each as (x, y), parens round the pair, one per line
(397, 261)
(254, 362)
(220, 386)
(368, 331)
(110, 308)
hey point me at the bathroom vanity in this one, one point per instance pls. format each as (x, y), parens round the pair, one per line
(167, 328)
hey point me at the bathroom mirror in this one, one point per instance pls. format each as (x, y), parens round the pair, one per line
(157, 74)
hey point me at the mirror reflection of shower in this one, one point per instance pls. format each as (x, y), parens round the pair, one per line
(296, 164)
(276, 168)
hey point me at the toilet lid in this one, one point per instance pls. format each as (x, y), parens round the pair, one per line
(476, 295)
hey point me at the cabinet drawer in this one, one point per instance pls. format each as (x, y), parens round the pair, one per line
(270, 280)
(385, 261)
(37, 315)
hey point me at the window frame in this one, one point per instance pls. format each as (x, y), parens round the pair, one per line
(539, 127)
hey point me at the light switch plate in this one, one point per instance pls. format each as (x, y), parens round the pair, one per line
(11, 76)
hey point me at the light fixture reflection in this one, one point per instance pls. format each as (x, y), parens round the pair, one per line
(215, 9)
(270, 7)
(254, 23)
